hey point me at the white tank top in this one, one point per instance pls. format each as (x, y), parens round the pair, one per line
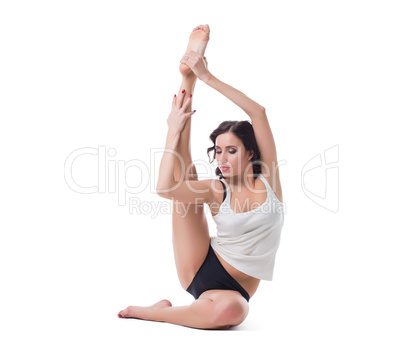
(249, 241)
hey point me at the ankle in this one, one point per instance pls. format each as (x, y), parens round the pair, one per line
(191, 77)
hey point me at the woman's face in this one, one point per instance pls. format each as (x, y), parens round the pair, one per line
(231, 155)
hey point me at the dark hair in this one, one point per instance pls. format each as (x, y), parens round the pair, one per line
(245, 132)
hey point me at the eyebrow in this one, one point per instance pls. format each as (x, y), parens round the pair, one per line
(227, 146)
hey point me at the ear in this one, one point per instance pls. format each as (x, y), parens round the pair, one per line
(251, 154)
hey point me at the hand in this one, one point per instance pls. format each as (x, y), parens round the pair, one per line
(196, 63)
(178, 117)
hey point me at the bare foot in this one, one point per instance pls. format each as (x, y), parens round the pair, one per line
(198, 43)
(146, 313)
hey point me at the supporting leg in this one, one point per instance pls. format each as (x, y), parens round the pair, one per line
(214, 309)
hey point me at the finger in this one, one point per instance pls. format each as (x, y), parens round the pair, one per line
(174, 100)
(189, 55)
(187, 103)
(194, 54)
(181, 98)
(188, 114)
(185, 60)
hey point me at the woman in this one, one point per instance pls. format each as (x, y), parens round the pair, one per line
(224, 271)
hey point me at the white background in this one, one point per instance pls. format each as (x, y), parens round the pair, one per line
(85, 74)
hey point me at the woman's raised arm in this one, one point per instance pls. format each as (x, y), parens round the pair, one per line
(249, 106)
(255, 111)
(198, 64)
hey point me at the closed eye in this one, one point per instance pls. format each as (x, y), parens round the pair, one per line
(231, 152)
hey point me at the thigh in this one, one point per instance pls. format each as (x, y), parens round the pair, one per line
(190, 239)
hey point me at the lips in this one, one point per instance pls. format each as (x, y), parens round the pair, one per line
(224, 168)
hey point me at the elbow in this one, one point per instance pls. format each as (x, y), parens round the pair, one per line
(164, 191)
(161, 192)
(258, 111)
(159, 189)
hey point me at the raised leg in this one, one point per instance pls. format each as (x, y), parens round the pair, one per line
(189, 224)
(214, 309)
(190, 227)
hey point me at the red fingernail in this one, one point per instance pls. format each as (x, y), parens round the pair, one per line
(174, 95)
(191, 95)
(195, 110)
(183, 91)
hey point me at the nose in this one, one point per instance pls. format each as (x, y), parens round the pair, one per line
(222, 158)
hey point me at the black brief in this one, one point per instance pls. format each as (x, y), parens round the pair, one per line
(212, 275)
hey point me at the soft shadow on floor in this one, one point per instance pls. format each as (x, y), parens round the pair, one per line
(243, 327)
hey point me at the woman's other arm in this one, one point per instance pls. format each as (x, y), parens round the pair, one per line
(166, 178)
(196, 192)
(167, 186)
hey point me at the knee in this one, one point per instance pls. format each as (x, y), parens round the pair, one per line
(230, 312)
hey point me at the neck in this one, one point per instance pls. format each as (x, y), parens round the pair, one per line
(240, 181)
